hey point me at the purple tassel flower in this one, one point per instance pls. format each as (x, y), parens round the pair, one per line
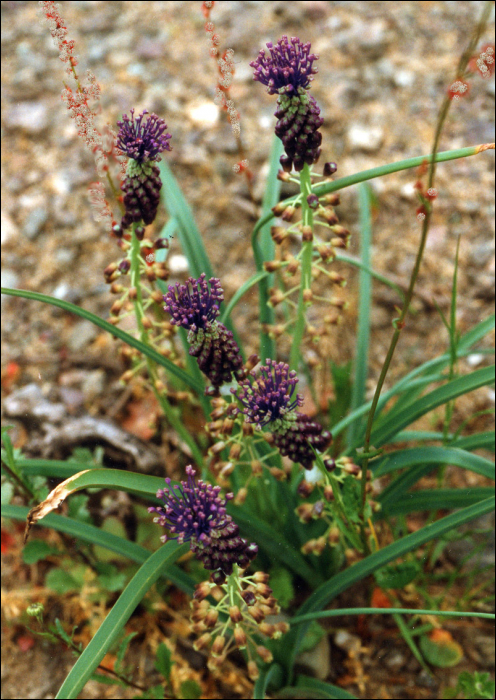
(270, 400)
(288, 71)
(195, 513)
(142, 141)
(195, 307)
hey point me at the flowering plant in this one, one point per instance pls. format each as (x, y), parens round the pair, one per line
(279, 493)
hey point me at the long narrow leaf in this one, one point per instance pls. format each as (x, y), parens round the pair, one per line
(111, 628)
(314, 688)
(94, 535)
(457, 387)
(342, 581)
(476, 442)
(445, 499)
(435, 455)
(321, 614)
(361, 361)
(188, 233)
(113, 330)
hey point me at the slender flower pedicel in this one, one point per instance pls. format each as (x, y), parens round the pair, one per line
(142, 142)
(269, 400)
(287, 72)
(194, 512)
(195, 307)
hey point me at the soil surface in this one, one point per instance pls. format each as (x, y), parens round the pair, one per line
(384, 69)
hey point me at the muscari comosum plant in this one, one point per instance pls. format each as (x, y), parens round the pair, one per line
(292, 500)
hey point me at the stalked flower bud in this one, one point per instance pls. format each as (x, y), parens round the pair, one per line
(240, 637)
(313, 201)
(329, 169)
(278, 234)
(235, 614)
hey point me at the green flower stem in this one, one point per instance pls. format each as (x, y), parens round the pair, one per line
(343, 182)
(400, 322)
(168, 410)
(305, 269)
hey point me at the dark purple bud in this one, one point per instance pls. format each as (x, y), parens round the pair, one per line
(161, 243)
(313, 201)
(298, 123)
(139, 232)
(194, 512)
(125, 266)
(297, 441)
(329, 169)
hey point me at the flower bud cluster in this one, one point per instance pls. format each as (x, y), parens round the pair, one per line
(346, 476)
(194, 512)
(195, 307)
(237, 618)
(287, 72)
(268, 399)
(142, 142)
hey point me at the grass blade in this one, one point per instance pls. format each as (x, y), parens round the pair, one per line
(113, 330)
(361, 361)
(434, 455)
(112, 626)
(457, 387)
(445, 499)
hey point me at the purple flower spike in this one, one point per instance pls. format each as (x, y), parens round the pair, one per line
(270, 400)
(197, 307)
(288, 72)
(270, 397)
(143, 142)
(194, 512)
(289, 66)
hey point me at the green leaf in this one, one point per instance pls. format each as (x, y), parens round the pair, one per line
(7, 492)
(439, 649)
(163, 661)
(473, 685)
(114, 526)
(111, 627)
(445, 499)
(396, 575)
(281, 583)
(414, 456)
(61, 581)
(36, 550)
(327, 690)
(312, 637)
(190, 690)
